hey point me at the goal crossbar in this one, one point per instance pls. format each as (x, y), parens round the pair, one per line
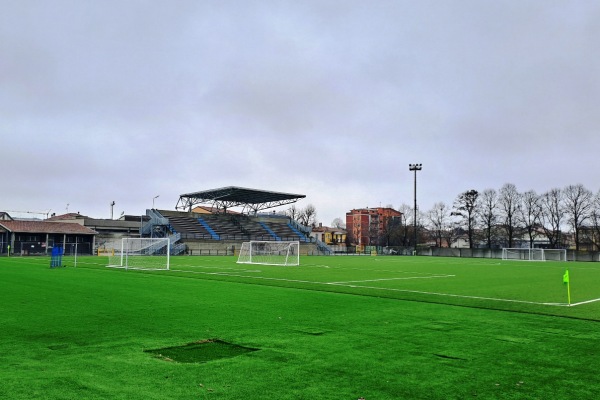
(534, 254)
(141, 253)
(270, 253)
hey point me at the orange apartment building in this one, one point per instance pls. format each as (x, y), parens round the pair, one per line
(367, 226)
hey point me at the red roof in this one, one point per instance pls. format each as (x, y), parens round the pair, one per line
(46, 227)
(65, 216)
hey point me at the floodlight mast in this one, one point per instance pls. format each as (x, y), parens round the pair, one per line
(415, 168)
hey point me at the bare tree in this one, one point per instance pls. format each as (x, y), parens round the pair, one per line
(530, 213)
(488, 215)
(293, 212)
(552, 203)
(578, 205)
(338, 223)
(595, 219)
(393, 231)
(308, 215)
(443, 228)
(438, 218)
(406, 210)
(465, 206)
(409, 224)
(509, 203)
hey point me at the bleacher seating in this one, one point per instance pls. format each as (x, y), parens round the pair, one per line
(188, 227)
(284, 230)
(235, 227)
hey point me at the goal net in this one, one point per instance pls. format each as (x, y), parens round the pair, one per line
(555, 254)
(141, 253)
(270, 253)
(534, 254)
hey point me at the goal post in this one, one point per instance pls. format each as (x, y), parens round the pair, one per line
(142, 253)
(534, 254)
(555, 254)
(270, 253)
(524, 254)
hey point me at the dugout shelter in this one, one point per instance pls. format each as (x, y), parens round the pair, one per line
(40, 237)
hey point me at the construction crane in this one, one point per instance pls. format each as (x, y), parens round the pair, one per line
(44, 213)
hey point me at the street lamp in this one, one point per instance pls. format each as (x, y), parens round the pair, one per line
(415, 167)
(152, 218)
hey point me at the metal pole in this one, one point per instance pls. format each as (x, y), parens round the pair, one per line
(152, 226)
(415, 168)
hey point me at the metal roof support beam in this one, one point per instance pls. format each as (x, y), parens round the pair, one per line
(232, 196)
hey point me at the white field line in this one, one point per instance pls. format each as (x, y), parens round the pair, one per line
(392, 279)
(245, 276)
(584, 302)
(388, 289)
(459, 295)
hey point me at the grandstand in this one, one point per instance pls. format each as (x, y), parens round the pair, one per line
(219, 230)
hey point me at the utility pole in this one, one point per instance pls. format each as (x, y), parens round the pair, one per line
(415, 168)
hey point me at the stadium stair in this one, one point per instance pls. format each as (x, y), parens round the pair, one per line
(323, 248)
(270, 231)
(302, 237)
(177, 247)
(213, 234)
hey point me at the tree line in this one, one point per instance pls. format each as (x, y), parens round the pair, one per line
(557, 219)
(506, 218)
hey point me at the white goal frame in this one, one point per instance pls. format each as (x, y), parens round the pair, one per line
(286, 253)
(555, 254)
(142, 253)
(534, 254)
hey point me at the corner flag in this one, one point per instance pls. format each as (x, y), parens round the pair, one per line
(567, 281)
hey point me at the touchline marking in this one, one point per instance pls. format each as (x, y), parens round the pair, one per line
(392, 279)
(585, 302)
(462, 296)
(216, 273)
(391, 289)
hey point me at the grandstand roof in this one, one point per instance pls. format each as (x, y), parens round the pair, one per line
(233, 196)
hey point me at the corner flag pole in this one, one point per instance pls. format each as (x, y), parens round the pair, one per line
(567, 281)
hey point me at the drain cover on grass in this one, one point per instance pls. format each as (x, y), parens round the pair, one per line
(201, 351)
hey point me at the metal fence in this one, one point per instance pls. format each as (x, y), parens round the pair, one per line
(35, 248)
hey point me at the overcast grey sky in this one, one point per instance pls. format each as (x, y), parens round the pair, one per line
(121, 101)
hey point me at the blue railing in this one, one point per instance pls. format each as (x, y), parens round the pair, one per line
(271, 232)
(302, 237)
(210, 230)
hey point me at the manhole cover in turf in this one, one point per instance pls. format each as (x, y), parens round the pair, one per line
(201, 351)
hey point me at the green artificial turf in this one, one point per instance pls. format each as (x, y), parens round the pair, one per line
(333, 328)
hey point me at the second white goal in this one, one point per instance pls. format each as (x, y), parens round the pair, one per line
(534, 254)
(270, 253)
(141, 253)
